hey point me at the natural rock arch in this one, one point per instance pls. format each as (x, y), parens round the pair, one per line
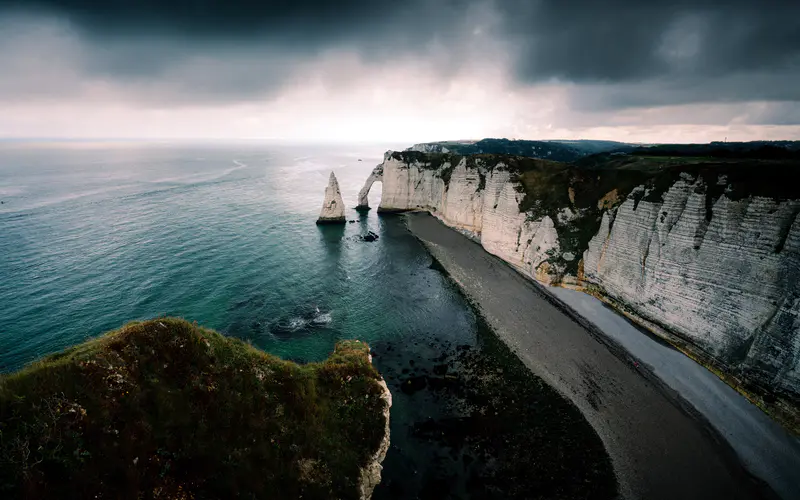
(363, 195)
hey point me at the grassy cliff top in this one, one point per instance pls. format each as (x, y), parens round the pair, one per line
(166, 409)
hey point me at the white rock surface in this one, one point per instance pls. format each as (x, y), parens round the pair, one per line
(729, 285)
(333, 206)
(371, 474)
(363, 195)
(721, 284)
(409, 186)
(487, 210)
(428, 148)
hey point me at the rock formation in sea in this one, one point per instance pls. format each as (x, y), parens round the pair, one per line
(333, 207)
(363, 195)
(705, 252)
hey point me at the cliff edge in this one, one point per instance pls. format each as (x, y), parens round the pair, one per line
(166, 409)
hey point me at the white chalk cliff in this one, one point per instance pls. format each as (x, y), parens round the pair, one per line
(332, 207)
(715, 270)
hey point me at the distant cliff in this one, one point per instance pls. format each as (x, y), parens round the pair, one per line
(704, 250)
(166, 409)
(551, 150)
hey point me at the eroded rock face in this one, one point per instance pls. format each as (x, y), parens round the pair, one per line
(371, 474)
(363, 195)
(717, 269)
(729, 284)
(332, 207)
(478, 199)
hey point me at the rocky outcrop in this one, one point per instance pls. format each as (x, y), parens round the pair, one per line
(363, 195)
(371, 474)
(312, 431)
(332, 207)
(707, 254)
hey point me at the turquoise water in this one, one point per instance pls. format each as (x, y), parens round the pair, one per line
(95, 235)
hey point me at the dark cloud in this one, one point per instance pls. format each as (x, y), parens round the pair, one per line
(625, 54)
(297, 24)
(183, 51)
(575, 40)
(624, 40)
(616, 54)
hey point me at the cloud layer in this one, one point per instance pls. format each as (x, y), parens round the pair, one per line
(504, 66)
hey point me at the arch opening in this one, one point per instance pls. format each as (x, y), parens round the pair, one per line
(363, 195)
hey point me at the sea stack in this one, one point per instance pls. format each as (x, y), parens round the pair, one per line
(333, 207)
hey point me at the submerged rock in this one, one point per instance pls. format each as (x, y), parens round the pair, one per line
(333, 207)
(370, 236)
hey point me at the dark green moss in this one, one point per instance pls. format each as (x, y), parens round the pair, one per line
(164, 408)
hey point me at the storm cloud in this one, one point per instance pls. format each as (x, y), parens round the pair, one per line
(589, 62)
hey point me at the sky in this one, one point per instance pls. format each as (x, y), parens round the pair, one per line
(400, 70)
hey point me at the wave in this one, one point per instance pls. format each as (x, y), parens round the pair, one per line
(201, 178)
(302, 322)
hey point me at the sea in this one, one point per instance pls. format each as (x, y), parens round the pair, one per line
(93, 235)
(97, 234)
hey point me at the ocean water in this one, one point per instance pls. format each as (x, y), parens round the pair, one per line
(95, 235)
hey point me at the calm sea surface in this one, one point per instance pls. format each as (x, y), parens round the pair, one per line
(93, 236)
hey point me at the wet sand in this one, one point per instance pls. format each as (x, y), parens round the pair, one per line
(659, 446)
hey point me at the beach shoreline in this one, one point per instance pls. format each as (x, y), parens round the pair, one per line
(660, 446)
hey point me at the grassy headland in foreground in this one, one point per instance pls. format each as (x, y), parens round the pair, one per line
(167, 409)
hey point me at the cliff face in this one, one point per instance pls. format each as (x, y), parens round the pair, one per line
(702, 251)
(728, 282)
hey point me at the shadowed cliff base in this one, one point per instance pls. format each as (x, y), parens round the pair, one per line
(658, 446)
(495, 431)
(166, 409)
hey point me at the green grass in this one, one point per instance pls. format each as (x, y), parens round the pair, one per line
(166, 409)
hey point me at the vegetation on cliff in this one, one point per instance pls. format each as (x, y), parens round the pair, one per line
(565, 151)
(166, 409)
(597, 183)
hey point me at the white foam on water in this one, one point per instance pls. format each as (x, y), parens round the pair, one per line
(322, 319)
